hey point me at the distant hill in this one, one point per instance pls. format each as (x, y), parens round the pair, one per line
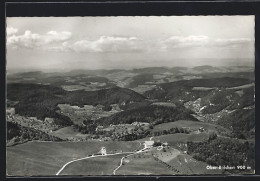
(140, 79)
(98, 72)
(243, 75)
(151, 70)
(183, 90)
(207, 68)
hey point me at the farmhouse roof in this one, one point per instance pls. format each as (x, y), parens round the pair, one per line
(149, 143)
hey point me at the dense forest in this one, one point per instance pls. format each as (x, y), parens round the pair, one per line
(151, 114)
(223, 151)
(240, 122)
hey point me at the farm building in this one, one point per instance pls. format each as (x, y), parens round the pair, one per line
(148, 144)
(165, 144)
(49, 120)
(33, 118)
(99, 128)
(10, 111)
(140, 123)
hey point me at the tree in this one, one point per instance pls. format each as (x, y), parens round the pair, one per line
(107, 107)
(165, 132)
(157, 143)
(212, 136)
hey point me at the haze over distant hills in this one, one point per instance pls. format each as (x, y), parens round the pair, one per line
(212, 63)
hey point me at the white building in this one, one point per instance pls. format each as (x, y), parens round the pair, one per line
(148, 144)
(103, 151)
(10, 111)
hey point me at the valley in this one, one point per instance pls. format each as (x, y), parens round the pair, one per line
(186, 114)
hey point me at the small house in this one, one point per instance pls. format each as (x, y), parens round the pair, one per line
(48, 120)
(165, 144)
(10, 111)
(98, 128)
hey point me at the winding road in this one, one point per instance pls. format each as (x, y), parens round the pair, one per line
(84, 158)
(122, 159)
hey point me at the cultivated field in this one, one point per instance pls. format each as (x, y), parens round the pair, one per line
(167, 155)
(143, 164)
(46, 158)
(68, 133)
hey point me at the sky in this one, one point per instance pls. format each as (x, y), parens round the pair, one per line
(66, 43)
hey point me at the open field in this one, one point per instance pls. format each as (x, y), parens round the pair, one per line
(143, 164)
(94, 166)
(167, 104)
(242, 86)
(202, 88)
(68, 133)
(46, 158)
(83, 86)
(167, 155)
(193, 125)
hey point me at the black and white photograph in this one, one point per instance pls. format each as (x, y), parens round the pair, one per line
(130, 95)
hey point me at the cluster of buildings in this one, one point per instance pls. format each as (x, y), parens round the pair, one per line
(149, 144)
(140, 124)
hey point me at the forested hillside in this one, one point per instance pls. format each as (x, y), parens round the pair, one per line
(240, 122)
(41, 100)
(223, 152)
(18, 134)
(151, 114)
(184, 91)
